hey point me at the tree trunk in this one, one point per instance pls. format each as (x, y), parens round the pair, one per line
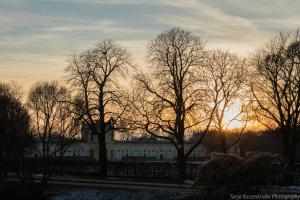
(181, 162)
(223, 142)
(102, 134)
(291, 157)
(285, 149)
(61, 163)
(289, 153)
(102, 155)
(289, 149)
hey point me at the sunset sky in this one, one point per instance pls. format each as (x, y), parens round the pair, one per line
(36, 36)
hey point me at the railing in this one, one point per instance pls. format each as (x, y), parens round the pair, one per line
(158, 169)
(115, 169)
(130, 169)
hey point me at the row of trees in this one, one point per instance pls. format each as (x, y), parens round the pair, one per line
(185, 88)
(46, 123)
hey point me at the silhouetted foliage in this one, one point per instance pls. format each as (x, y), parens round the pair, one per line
(15, 140)
(93, 74)
(260, 141)
(224, 174)
(227, 73)
(275, 86)
(171, 98)
(54, 124)
(15, 135)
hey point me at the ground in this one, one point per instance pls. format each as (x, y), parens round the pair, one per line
(84, 193)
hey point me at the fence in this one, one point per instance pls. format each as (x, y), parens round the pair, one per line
(117, 169)
(125, 169)
(130, 169)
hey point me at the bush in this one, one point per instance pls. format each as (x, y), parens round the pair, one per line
(259, 170)
(226, 174)
(216, 171)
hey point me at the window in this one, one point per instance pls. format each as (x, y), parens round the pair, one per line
(161, 156)
(153, 152)
(92, 153)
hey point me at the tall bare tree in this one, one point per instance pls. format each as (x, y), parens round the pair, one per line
(14, 126)
(94, 74)
(54, 123)
(276, 89)
(15, 137)
(172, 100)
(227, 75)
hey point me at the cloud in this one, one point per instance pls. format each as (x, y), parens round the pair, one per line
(38, 35)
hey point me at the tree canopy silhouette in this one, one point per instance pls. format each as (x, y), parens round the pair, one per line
(275, 89)
(171, 98)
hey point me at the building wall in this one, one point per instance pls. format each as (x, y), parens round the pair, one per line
(121, 150)
(158, 151)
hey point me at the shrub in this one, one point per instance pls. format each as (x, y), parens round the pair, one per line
(259, 170)
(226, 174)
(217, 170)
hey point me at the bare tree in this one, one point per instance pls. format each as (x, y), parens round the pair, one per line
(14, 126)
(275, 89)
(53, 121)
(15, 136)
(227, 75)
(94, 75)
(171, 100)
(68, 129)
(12, 90)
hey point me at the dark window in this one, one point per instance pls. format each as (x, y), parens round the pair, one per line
(161, 156)
(92, 153)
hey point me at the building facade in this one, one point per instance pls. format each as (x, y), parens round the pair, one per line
(141, 149)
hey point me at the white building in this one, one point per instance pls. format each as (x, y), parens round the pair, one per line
(134, 150)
